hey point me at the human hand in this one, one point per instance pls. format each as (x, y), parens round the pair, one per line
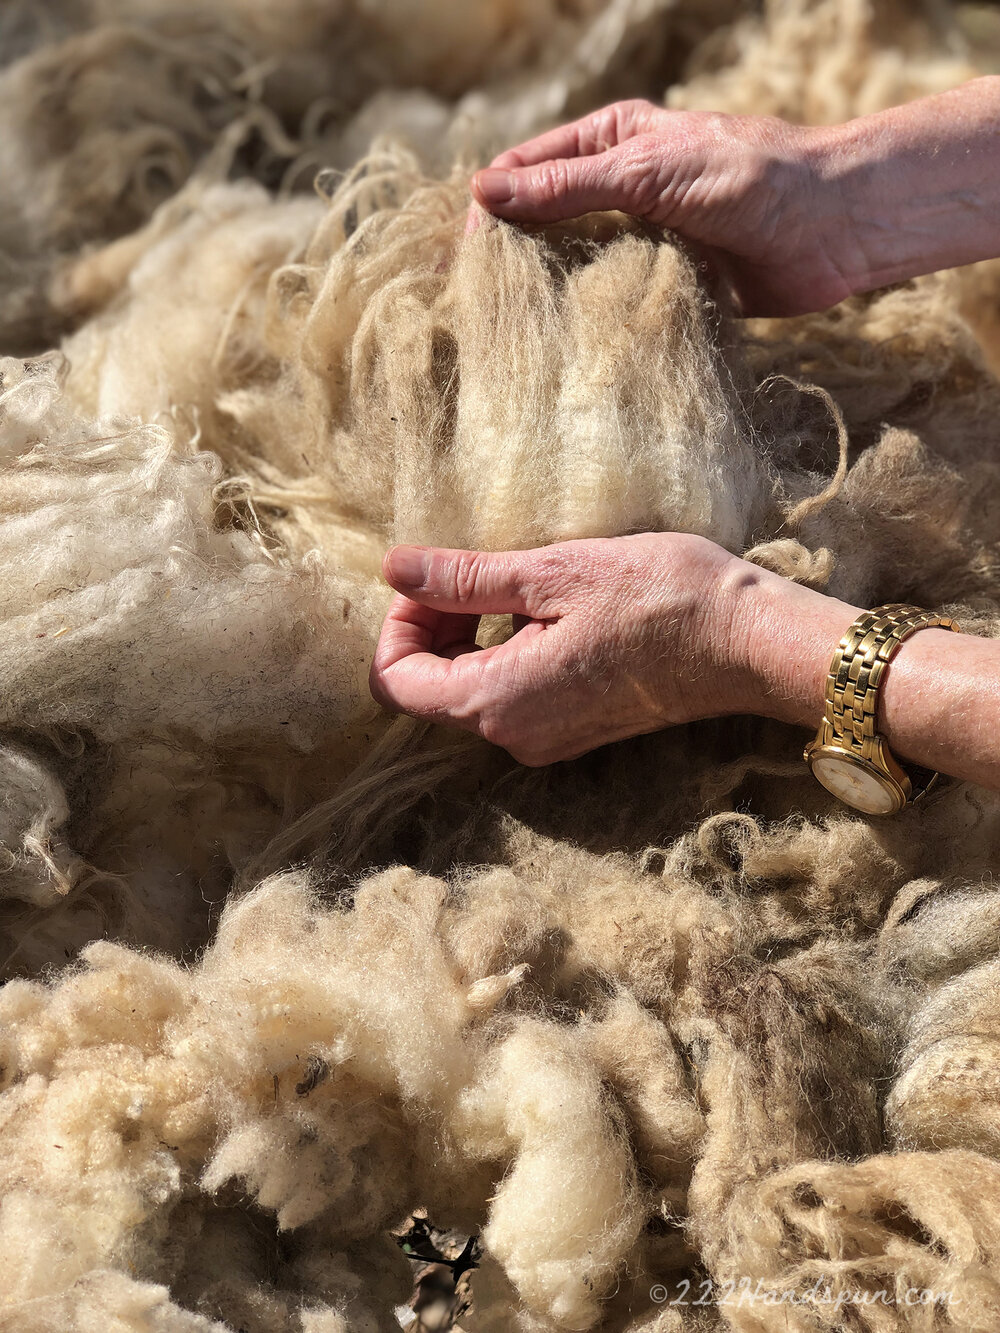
(619, 636)
(750, 192)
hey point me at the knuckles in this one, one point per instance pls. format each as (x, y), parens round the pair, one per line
(629, 116)
(528, 753)
(494, 728)
(504, 732)
(554, 574)
(469, 575)
(378, 687)
(642, 163)
(551, 180)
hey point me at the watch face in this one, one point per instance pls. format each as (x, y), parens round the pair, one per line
(856, 784)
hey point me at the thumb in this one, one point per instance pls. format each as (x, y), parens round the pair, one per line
(622, 178)
(470, 582)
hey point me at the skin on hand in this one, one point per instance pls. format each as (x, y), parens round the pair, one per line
(747, 191)
(791, 219)
(619, 636)
(625, 635)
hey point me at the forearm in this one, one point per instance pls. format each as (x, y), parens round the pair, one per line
(939, 706)
(918, 185)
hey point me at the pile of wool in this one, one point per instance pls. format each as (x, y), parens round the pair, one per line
(157, 654)
(665, 1026)
(606, 1067)
(114, 103)
(374, 371)
(820, 62)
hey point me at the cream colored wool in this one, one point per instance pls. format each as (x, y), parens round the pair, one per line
(235, 1070)
(122, 99)
(952, 1059)
(97, 131)
(123, 562)
(220, 247)
(665, 1016)
(414, 376)
(820, 62)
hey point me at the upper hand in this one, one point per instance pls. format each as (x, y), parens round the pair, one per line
(618, 636)
(748, 191)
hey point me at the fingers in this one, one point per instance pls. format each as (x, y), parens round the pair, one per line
(581, 139)
(591, 135)
(427, 662)
(472, 582)
(474, 219)
(414, 668)
(412, 665)
(623, 178)
(594, 133)
(411, 628)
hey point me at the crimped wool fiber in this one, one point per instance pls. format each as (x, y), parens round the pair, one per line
(686, 1044)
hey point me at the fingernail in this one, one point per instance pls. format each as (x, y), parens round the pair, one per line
(495, 186)
(406, 566)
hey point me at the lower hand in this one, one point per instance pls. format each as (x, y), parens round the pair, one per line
(618, 636)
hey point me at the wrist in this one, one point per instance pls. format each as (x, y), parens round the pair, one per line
(783, 638)
(858, 209)
(910, 190)
(913, 709)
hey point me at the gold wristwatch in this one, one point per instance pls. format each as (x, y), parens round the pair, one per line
(848, 756)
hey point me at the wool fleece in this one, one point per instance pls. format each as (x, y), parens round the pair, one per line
(686, 1044)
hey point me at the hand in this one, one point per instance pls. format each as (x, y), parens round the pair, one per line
(618, 636)
(749, 192)
(625, 635)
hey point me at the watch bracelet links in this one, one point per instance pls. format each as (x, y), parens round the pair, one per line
(857, 670)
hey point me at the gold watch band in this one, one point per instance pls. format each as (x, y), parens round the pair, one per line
(852, 689)
(859, 665)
